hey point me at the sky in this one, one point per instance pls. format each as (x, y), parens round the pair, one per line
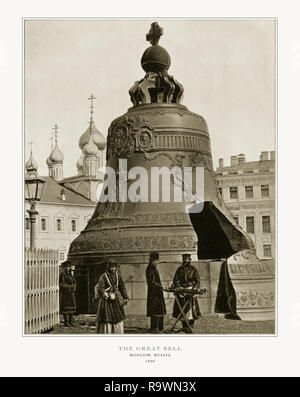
(227, 69)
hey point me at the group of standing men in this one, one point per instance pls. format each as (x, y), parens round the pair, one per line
(113, 297)
(186, 277)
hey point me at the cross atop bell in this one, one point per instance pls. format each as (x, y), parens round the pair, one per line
(155, 33)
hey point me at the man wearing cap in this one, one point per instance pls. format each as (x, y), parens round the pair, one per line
(187, 277)
(67, 288)
(156, 308)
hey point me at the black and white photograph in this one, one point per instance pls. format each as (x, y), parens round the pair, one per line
(149, 192)
(150, 176)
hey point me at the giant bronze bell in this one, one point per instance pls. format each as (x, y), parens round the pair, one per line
(159, 132)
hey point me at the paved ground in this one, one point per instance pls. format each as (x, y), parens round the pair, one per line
(208, 324)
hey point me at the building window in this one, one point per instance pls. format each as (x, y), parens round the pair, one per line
(73, 225)
(266, 224)
(264, 190)
(220, 191)
(267, 251)
(233, 192)
(27, 224)
(43, 224)
(236, 218)
(250, 224)
(58, 224)
(61, 256)
(249, 191)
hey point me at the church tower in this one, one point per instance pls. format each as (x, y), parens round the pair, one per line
(91, 141)
(56, 159)
(92, 144)
(31, 165)
(91, 156)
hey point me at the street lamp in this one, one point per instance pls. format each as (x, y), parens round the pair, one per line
(33, 192)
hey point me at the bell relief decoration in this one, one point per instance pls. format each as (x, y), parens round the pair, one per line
(128, 136)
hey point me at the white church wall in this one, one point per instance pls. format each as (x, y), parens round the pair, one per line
(52, 237)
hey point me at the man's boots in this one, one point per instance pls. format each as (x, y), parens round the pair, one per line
(185, 327)
(66, 319)
(71, 320)
(192, 322)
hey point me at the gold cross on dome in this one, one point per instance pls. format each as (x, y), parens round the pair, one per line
(154, 33)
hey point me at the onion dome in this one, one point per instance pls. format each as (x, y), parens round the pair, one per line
(56, 155)
(49, 162)
(157, 86)
(97, 137)
(31, 164)
(90, 149)
(79, 163)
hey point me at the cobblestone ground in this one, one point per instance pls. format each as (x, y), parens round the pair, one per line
(208, 324)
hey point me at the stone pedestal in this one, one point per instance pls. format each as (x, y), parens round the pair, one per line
(254, 285)
(252, 281)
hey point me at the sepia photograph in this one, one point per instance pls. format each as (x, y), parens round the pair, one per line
(149, 176)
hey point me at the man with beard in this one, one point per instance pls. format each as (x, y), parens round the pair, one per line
(186, 277)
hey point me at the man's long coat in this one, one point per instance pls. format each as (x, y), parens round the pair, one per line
(155, 298)
(67, 288)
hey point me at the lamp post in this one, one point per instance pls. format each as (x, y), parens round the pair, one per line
(33, 192)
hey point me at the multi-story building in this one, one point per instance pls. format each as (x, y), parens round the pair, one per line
(67, 204)
(62, 214)
(248, 190)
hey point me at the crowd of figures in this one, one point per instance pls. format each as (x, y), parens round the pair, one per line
(112, 297)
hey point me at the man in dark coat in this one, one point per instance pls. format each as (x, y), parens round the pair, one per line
(187, 277)
(67, 288)
(156, 308)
